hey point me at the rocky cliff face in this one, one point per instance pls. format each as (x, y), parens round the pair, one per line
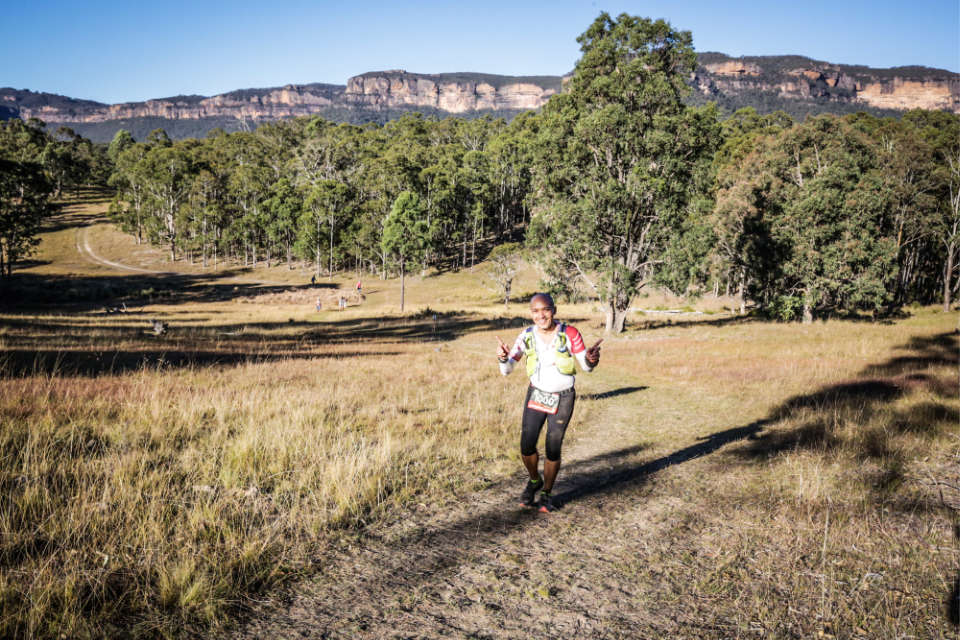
(795, 77)
(790, 80)
(256, 104)
(454, 93)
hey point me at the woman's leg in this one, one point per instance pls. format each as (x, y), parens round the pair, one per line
(556, 429)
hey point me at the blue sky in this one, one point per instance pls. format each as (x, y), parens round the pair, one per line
(115, 51)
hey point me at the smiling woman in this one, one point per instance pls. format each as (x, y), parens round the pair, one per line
(551, 349)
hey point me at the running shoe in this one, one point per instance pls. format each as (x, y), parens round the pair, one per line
(546, 503)
(530, 491)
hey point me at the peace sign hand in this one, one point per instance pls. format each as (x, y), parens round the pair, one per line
(503, 351)
(593, 354)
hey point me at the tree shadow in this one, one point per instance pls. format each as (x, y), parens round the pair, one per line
(85, 363)
(33, 292)
(613, 393)
(862, 400)
(581, 484)
(425, 326)
(687, 322)
(70, 220)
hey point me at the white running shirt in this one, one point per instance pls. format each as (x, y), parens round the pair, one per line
(548, 377)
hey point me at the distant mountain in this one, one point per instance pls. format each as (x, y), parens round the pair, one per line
(795, 84)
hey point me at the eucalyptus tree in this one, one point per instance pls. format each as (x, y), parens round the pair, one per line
(284, 208)
(735, 214)
(249, 180)
(121, 141)
(166, 171)
(64, 161)
(504, 262)
(911, 171)
(129, 179)
(819, 223)
(327, 201)
(25, 190)
(510, 158)
(405, 234)
(941, 131)
(615, 158)
(386, 170)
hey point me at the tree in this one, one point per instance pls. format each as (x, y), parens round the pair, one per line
(736, 228)
(504, 261)
(405, 233)
(166, 171)
(284, 208)
(121, 140)
(325, 203)
(815, 225)
(24, 203)
(617, 156)
(941, 131)
(25, 190)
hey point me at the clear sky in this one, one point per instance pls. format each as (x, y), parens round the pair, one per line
(116, 51)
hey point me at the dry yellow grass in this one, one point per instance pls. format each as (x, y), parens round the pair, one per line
(151, 484)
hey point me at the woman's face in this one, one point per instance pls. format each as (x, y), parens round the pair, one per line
(542, 314)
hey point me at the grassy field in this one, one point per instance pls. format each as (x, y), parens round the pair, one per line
(772, 480)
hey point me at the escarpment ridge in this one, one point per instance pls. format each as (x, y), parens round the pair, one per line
(795, 84)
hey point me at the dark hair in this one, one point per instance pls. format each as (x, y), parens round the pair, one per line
(545, 296)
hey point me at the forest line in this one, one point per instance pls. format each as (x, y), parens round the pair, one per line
(615, 185)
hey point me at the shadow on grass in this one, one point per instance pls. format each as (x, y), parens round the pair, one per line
(582, 484)
(26, 292)
(70, 220)
(613, 393)
(862, 400)
(17, 363)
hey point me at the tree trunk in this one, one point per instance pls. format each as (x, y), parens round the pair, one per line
(807, 311)
(947, 277)
(742, 293)
(616, 318)
(401, 283)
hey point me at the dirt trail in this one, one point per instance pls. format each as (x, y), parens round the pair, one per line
(83, 247)
(87, 252)
(490, 568)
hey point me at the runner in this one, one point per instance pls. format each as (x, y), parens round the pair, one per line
(550, 348)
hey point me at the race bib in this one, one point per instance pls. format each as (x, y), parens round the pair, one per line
(544, 401)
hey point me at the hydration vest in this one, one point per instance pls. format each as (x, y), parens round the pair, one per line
(564, 359)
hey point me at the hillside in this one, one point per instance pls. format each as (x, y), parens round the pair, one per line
(795, 84)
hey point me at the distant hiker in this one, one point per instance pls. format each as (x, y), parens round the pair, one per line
(551, 349)
(342, 303)
(359, 287)
(313, 280)
(319, 304)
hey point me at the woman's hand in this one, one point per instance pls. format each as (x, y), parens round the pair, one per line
(593, 354)
(503, 351)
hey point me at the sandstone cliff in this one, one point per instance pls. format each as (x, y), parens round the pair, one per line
(453, 93)
(796, 84)
(796, 77)
(253, 104)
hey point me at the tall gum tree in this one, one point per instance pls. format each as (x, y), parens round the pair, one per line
(615, 159)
